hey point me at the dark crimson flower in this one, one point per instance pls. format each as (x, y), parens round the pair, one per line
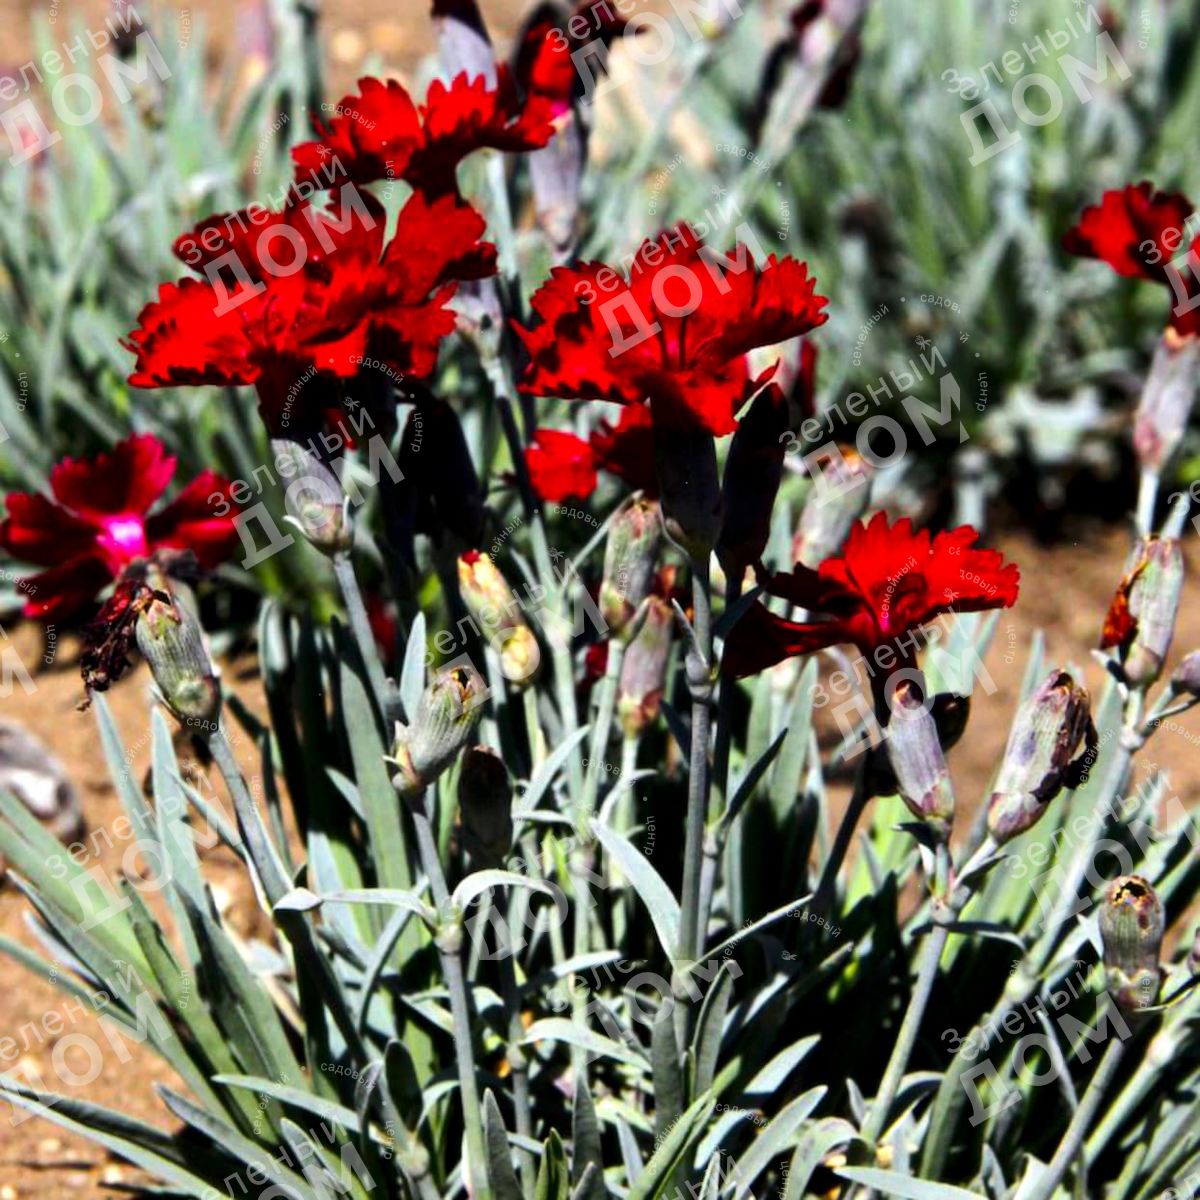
(563, 466)
(98, 525)
(381, 134)
(677, 336)
(1114, 229)
(544, 67)
(886, 583)
(350, 298)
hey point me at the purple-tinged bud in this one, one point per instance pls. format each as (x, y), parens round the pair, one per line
(1187, 675)
(1141, 619)
(915, 753)
(1043, 755)
(447, 714)
(630, 557)
(835, 503)
(753, 469)
(315, 501)
(686, 463)
(170, 639)
(644, 669)
(1167, 398)
(492, 603)
(485, 800)
(1131, 929)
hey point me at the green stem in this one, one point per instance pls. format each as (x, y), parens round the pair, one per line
(927, 965)
(823, 897)
(1072, 1140)
(601, 730)
(517, 1061)
(448, 940)
(360, 627)
(699, 676)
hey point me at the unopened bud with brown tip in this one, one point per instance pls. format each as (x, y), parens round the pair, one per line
(915, 754)
(838, 500)
(630, 556)
(315, 501)
(1131, 929)
(496, 609)
(644, 669)
(485, 800)
(1141, 620)
(444, 722)
(171, 641)
(1045, 753)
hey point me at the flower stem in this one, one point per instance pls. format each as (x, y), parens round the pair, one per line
(603, 726)
(699, 676)
(517, 1061)
(1072, 1140)
(927, 964)
(360, 627)
(448, 940)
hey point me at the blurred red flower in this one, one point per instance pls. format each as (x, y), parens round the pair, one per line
(1115, 231)
(380, 133)
(886, 583)
(349, 297)
(563, 466)
(97, 525)
(677, 335)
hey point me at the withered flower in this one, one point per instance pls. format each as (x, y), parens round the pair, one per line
(1131, 928)
(1141, 620)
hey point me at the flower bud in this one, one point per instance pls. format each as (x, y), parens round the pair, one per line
(170, 639)
(630, 556)
(1131, 929)
(915, 754)
(832, 507)
(485, 805)
(1187, 675)
(1166, 401)
(686, 462)
(753, 470)
(485, 590)
(644, 669)
(315, 501)
(1141, 620)
(444, 722)
(1040, 759)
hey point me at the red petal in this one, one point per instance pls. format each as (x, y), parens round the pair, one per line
(561, 466)
(39, 531)
(189, 522)
(128, 480)
(1113, 229)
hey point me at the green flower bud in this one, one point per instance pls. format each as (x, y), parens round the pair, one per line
(1187, 675)
(644, 669)
(1166, 401)
(1131, 929)
(1043, 755)
(315, 501)
(170, 639)
(485, 805)
(445, 721)
(915, 753)
(1141, 620)
(630, 556)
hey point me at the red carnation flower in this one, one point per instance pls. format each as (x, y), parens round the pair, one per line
(886, 583)
(563, 466)
(1116, 229)
(350, 298)
(677, 335)
(545, 69)
(97, 524)
(381, 134)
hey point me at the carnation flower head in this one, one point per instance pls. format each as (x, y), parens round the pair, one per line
(98, 524)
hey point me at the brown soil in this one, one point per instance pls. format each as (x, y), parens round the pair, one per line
(1065, 591)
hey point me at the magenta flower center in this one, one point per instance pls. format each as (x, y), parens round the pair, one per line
(123, 537)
